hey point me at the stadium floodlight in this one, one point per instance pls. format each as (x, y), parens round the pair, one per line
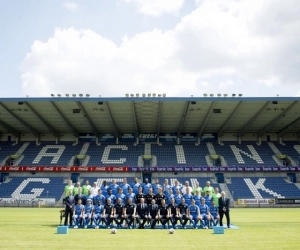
(233, 95)
(149, 95)
(205, 94)
(154, 95)
(159, 95)
(137, 94)
(164, 95)
(132, 95)
(81, 95)
(59, 95)
(143, 95)
(74, 95)
(219, 95)
(211, 95)
(67, 95)
(225, 95)
(127, 95)
(87, 95)
(240, 95)
(52, 95)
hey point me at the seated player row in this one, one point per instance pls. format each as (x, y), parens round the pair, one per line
(138, 215)
(114, 187)
(136, 198)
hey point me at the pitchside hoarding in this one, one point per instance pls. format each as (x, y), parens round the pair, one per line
(42, 201)
(148, 169)
(255, 201)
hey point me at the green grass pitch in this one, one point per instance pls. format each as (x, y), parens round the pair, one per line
(260, 228)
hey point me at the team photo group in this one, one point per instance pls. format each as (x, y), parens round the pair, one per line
(145, 205)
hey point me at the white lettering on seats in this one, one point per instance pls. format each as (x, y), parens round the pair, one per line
(56, 156)
(35, 191)
(106, 153)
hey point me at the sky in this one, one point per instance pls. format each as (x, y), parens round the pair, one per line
(180, 48)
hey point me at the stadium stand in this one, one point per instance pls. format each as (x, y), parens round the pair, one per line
(32, 188)
(166, 154)
(264, 187)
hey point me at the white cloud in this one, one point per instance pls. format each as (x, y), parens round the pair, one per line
(157, 7)
(219, 47)
(71, 6)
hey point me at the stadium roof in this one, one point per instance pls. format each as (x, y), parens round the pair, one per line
(237, 115)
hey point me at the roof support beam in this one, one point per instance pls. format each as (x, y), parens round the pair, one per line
(206, 119)
(229, 119)
(288, 127)
(252, 120)
(71, 127)
(95, 131)
(271, 123)
(10, 129)
(25, 124)
(111, 118)
(183, 118)
(47, 124)
(159, 117)
(134, 118)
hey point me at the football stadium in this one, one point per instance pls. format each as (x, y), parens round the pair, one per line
(147, 170)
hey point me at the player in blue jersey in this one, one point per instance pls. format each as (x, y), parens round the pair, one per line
(204, 214)
(78, 213)
(194, 214)
(135, 186)
(197, 197)
(130, 195)
(88, 213)
(99, 197)
(146, 186)
(208, 198)
(188, 196)
(110, 196)
(90, 196)
(125, 186)
(177, 197)
(98, 214)
(104, 188)
(114, 187)
(166, 187)
(182, 210)
(108, 209)
(121, 196)
(214, 214)
(155, 186)
(169, 196)
(176, 186)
